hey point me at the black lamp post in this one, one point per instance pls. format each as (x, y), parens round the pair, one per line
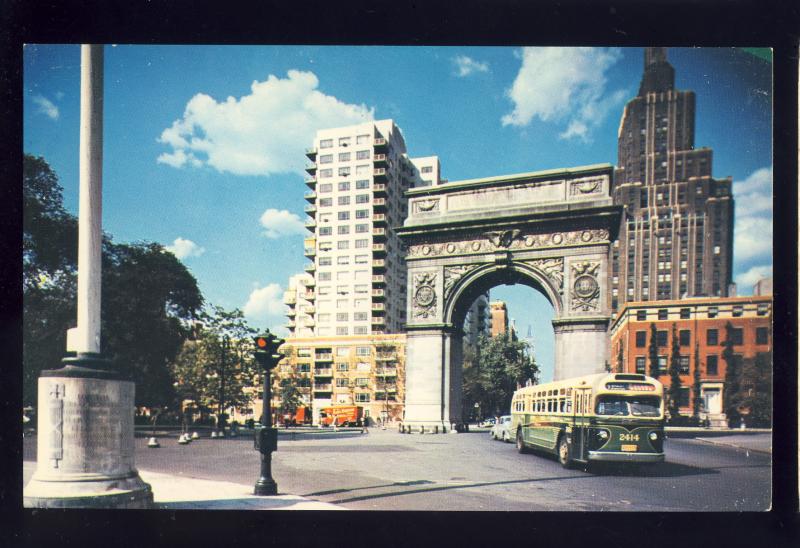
(266, 439)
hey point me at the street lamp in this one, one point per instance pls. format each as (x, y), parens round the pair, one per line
(266, 439)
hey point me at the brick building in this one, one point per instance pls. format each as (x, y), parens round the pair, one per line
(698, 321)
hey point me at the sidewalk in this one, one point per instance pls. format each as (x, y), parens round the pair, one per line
(180, 493)
(759, 443)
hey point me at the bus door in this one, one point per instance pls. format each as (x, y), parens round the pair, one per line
(580, 422)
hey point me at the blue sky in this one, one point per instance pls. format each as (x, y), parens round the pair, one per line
(201, 142)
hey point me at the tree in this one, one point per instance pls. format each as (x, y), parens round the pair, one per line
(620, 360)
(652, 352)
(289, 393)
(696, 386)
(225, 370)
(674, 377)
(755, 392)
(731, 391)
(501, 364)
(148, 296)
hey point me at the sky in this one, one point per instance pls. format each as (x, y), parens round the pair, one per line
(204, 145)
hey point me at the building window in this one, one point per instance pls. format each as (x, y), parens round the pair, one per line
(304, 352)
(640, 364)
(662, 364)
(344, 244)
(360, 316)
(343, 186)
(684, 364)
(362, 154)
(362, 198)
(685, 337)
(662, 313)
(344, 171)
(325, 230)
(661, 338)
(362, 381)
(344, 156)
(361, 289)
(737, 334)
(361, 228)
(737, 311)
(683, 397)
(360, 330)
(344, 141)
(342, 382)
(362, 184)
(343, 200)
(303, 367)
(362, 398)
(324, 276)
(762, 335)
(641, 315)
(712, 365)
(362, 169)
(343, 229)
(325, 173)
(361, 139)
(343, 216)
(685, 313)
(325, 202)
(362, 351)
(325, 261)
(641, 339)
(762, 310)
(326, 159)
(427, 169)
(326, 143)
(713, 311)
(362, 243)
(342, 316)
(325, 187)
(362, 213)
(341, 367)
(342, 331)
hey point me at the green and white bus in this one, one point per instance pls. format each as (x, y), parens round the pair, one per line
(602, 417)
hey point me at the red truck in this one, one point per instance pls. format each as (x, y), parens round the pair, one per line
(302, 415)
(341, 415)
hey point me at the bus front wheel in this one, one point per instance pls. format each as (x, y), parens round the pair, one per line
(563, 452)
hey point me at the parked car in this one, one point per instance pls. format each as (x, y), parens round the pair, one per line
(500, 430)
(487, 423)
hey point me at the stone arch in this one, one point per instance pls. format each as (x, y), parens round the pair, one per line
(481, 278)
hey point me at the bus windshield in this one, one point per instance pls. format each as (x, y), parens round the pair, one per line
(637, 406)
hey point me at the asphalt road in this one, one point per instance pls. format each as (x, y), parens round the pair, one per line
(385, 470)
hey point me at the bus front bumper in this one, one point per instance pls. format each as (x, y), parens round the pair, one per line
(625, 457)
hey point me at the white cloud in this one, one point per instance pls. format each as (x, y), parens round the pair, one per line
(564, 84)
(747, 280)
(46, 107)
(281, 223)
(264, 301)
(753, 218)
(466, 66)
(183, 248)
(258, 134)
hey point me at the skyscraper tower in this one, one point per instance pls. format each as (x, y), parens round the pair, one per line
(357, 180)
(676, 237)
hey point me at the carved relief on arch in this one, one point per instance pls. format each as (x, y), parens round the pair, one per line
(424, 297)
(585, 292)
(452, 274)
(551, 268)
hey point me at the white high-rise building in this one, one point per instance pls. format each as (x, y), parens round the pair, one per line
(356, 198)
(299, 297)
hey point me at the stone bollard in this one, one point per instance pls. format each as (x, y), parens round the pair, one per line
(183, 439)
(195, 435)
(213, 433)
(153, 443)
(453, 429)
(436, 429)
(422, 429)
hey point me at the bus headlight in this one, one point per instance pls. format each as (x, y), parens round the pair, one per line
(603, 434)
(653, 436)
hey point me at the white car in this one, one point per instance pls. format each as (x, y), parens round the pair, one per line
(500, 430)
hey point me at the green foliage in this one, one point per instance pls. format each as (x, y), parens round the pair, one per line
(732, 373)
(674, 376)
(754, 399)
(652, 351)
(696, 386)
(492, 374)
(148, 296)
(217, 369)
(289, 392)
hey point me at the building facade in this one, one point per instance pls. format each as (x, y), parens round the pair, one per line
(357, 182)
(499, 317)
(478, 321)
(700, 325)
(299, 297)
(676, 235)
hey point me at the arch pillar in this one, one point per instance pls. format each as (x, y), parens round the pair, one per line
(430, 383)
(581, 346)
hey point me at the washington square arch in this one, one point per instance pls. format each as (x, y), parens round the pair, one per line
(550, 230)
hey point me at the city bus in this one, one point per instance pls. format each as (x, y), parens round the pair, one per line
(601, 417)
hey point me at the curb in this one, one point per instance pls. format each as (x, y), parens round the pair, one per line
(723, 444)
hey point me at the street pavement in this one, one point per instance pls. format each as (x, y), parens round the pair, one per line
(385, 470)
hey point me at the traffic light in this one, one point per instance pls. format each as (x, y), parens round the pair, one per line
(266, 353)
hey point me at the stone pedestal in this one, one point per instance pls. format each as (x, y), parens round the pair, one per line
(85, 448)
(581, 347)
(427, 397)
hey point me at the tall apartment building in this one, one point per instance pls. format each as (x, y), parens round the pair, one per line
(357, 180)
(300, 299)
(676, 238)
(478, 320)
(499, 312)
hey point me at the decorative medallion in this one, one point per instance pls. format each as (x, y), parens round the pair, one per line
(424, 301)
(557, 238)
(585, 288)
(451, 248)
(476, 246)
